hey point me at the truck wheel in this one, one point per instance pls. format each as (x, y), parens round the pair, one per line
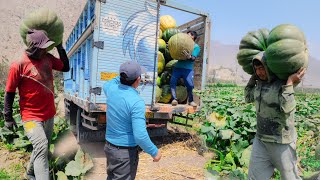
(78, 124)
(73, 117)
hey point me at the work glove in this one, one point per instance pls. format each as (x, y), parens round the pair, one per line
(11, 124)
(252, 81)
(186, 54)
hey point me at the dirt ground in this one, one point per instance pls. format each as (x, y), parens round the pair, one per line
(181, 157)
(13, 162)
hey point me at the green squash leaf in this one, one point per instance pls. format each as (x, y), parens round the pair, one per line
(61, 175)
(84, 161)
(73, 168)
(205, 129)
(226, 134)
(245, 157)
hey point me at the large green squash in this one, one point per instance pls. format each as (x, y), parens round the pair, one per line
(287, 51)
(160, 34)
(182, 93)
(178, 43)
(167, 22)
(170, 65)
(158, 93)
(158, 81)
(166, 94)
(161, 62)
(169, 33)
(251, 44)
(162, 45)
(167, 55)
(43, 19)
(165, 78)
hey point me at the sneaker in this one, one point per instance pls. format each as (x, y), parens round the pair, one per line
(193, 104)
(174, 102)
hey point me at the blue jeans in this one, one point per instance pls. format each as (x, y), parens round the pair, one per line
(187, 75)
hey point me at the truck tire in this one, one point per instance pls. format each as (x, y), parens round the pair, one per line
(78, 124)
(72, 117)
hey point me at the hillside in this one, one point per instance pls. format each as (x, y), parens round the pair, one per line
(12, 12)
(223, 61)
(222, 56)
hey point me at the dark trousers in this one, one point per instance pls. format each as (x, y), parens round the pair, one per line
(187, 75)
(122, 163)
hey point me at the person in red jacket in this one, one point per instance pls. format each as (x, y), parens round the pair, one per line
(33, 77)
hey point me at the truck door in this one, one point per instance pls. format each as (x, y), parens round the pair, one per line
(127, 32)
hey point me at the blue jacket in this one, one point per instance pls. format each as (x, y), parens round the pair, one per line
(126, 122)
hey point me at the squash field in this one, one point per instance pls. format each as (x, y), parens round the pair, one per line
(228, 127)
(17, 142)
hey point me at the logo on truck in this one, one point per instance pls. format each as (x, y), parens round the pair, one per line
(111, 24)
(139, 36)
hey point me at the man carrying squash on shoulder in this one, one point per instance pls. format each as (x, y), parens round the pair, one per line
(274, 145)
(33, 77)
(184, 69)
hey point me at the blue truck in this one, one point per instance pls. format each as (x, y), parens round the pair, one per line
(108, 33)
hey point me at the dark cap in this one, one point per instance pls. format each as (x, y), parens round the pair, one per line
(132, 69)
(38, 39)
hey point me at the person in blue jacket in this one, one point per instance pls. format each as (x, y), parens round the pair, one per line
(184, 69)
(126, 124)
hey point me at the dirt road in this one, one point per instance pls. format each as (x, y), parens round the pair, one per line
(180, 158)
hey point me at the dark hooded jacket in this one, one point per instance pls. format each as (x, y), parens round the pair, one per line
(275, 107)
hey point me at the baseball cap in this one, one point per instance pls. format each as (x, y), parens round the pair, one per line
(38, 39)
(132, 69)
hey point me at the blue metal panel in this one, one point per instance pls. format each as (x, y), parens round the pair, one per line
(67, 75)
(73, 36)
(80, 26)
(83, 58)
(94, 52)
(88, 59)
(85, 16)
(68, 86)
(83, 55)
(74, 59)
(76, 32)
(78, 69)
(129, 33)
(87, 67)
(92, 8)
(74, 67)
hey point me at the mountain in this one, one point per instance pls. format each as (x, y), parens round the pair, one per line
(14, 11)
(222, 56)
(224, 66)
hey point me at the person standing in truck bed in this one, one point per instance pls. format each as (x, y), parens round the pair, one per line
(184, 69)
